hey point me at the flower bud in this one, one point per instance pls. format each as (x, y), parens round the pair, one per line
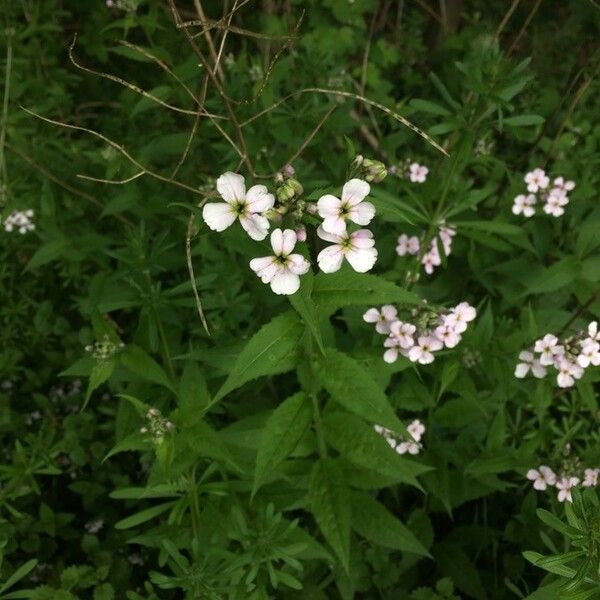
(301, 233)
(290, 189)
(374, 170)
(288, 171)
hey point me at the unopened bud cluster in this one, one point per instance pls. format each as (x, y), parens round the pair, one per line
(371, 170)
(157, 426)
(104, 349)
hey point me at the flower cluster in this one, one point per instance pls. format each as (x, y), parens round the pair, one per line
(20, 220)
(256, 208)
(544, 477)
(157, 426)
(431, 258)
(434, 329)
(410, 170)
(569, 357)
(401, 445)
(105, 349)
(554, 197)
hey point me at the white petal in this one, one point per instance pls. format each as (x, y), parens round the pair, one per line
(362, 260)
(231, 187)
(362, 238)
(329, 206)
(521, 370)
(329, 237)
(288, 242)
(330, 259)
(218, 215)
(256, 226)
(335, 225)
(390, 355)
(355, 191)
(371, 316)
(298, 264)
(285, 283)
(259, 200)
(265, 267)
(362, 213)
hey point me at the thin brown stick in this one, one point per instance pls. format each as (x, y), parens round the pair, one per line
(209, 40)
(112, 181)
(506, 18)
(188, 145)
(224, 38)
(190, 266)
(431, 12)
(63, 184)
(528, 20)
(212, 24)
(578, 313)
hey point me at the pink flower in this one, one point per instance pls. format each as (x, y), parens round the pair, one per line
(423, 351)
(407, 245)
(564, 485)
(447, 334)
(529, 363)
(282, 270)
(554, 204)
(561, 184)
(590, 478)
(542, 477)
(549, 349)
(403, 332)
(524, 205)
(590, 354)
(410, 447)
(536, 180)
(248, 206)
(416, 430)
(431, 260)
(351, 206)
(357, 248)
(459, 316)
(383, 318)
(568, 372)
(417, 173)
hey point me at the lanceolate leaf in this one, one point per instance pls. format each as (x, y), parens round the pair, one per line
(328, 500)
(281, 435)
(272, 350)
(144, 366)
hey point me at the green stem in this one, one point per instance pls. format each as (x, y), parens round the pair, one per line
(319, 427)
(194, 506)
(3, 172)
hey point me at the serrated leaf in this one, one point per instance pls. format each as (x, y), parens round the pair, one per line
(144, 366)
(303, 303)
(100, 373)
(143, 516)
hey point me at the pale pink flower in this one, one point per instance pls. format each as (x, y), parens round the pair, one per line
(282, 271)
(564, 485)
(431, 260)
(383, 318)
(416, 430)
(247, 206)
(590, 478)
(446, 234)
(358, 249)
(524, 205)
(542, 477)
(549, 349)
(407, 245)
(536, 180)
(561, 184)
(417, 173)
(554, 205)
(301, 233)
(568, 372)
(423, 351)
(410, 447)
(403, 332)
(459, 316)
(394, 348)
(589, 354)
(593, 332)
(351, 206)
(448, 335)
(529, 363)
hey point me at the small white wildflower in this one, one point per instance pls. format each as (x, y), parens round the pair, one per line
(383, 318)
(357, 248)
(529, 363)
(541, 477)
(536, 180)
(524, 205)
(565, 485)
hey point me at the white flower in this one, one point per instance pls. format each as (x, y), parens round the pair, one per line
(351, 206)
(446, 234)
(422, 352)
(407, 245)
(283, 269)
(590, 354)
(542, 477)
(590, 477)
(529, 362)
(536, 180)
(561, 184)
(524, 205)
(21, 220)
(554, 204)
(593, 332)
(394, 348)
(417, 173)
(549, 349)
(416, 429)
(357, 248)
(459, 316)
(248, 206)
(383, 318)
(564, 486)
(410, 447)
(447, 334)
(568, 372)
(403, 332)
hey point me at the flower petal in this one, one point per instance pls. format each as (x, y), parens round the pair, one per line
(231, 187)
(329, 237)
(362, 238)
(265, 267)
(329, 206)
(259, 200)
(285, 283)
(355, 191)
(362, 260)
(218, 215)
(298, 264)
(289, 241)
(256, 226)
(330, 259)
(335, 225)
(362, 213)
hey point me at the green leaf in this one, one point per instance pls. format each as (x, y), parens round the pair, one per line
(272, 350)
(375, 523)
(328, 501)
(144, 366)
(135, 441)
(351, 385)
(101, 372)
(19, 574)
(524, 120)
(144, 515)
(48, 252)
(554, 522)
(282, 432)
(332, 291)
(305, 306)
(360, 444)
(553, 278)
(193, 393)
(429, 107)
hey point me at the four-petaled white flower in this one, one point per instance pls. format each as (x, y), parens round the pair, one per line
(357, 248)
(554, 204)
(410, 447)
(394, 348)
(590, 478)
(247, 206)
(403, 332)
(561, 184)
(383, 318)
(282, 270)
(459, 316)
(416, 429)
(524, 204)
(417, 173)
(590, 354)
(529, 363)
(568, 372)
(536, 180)
(564, 485)
(351, 206)
(447, 335)
(542, 477)
(549, 349)
(407, 245)
(422, 351)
